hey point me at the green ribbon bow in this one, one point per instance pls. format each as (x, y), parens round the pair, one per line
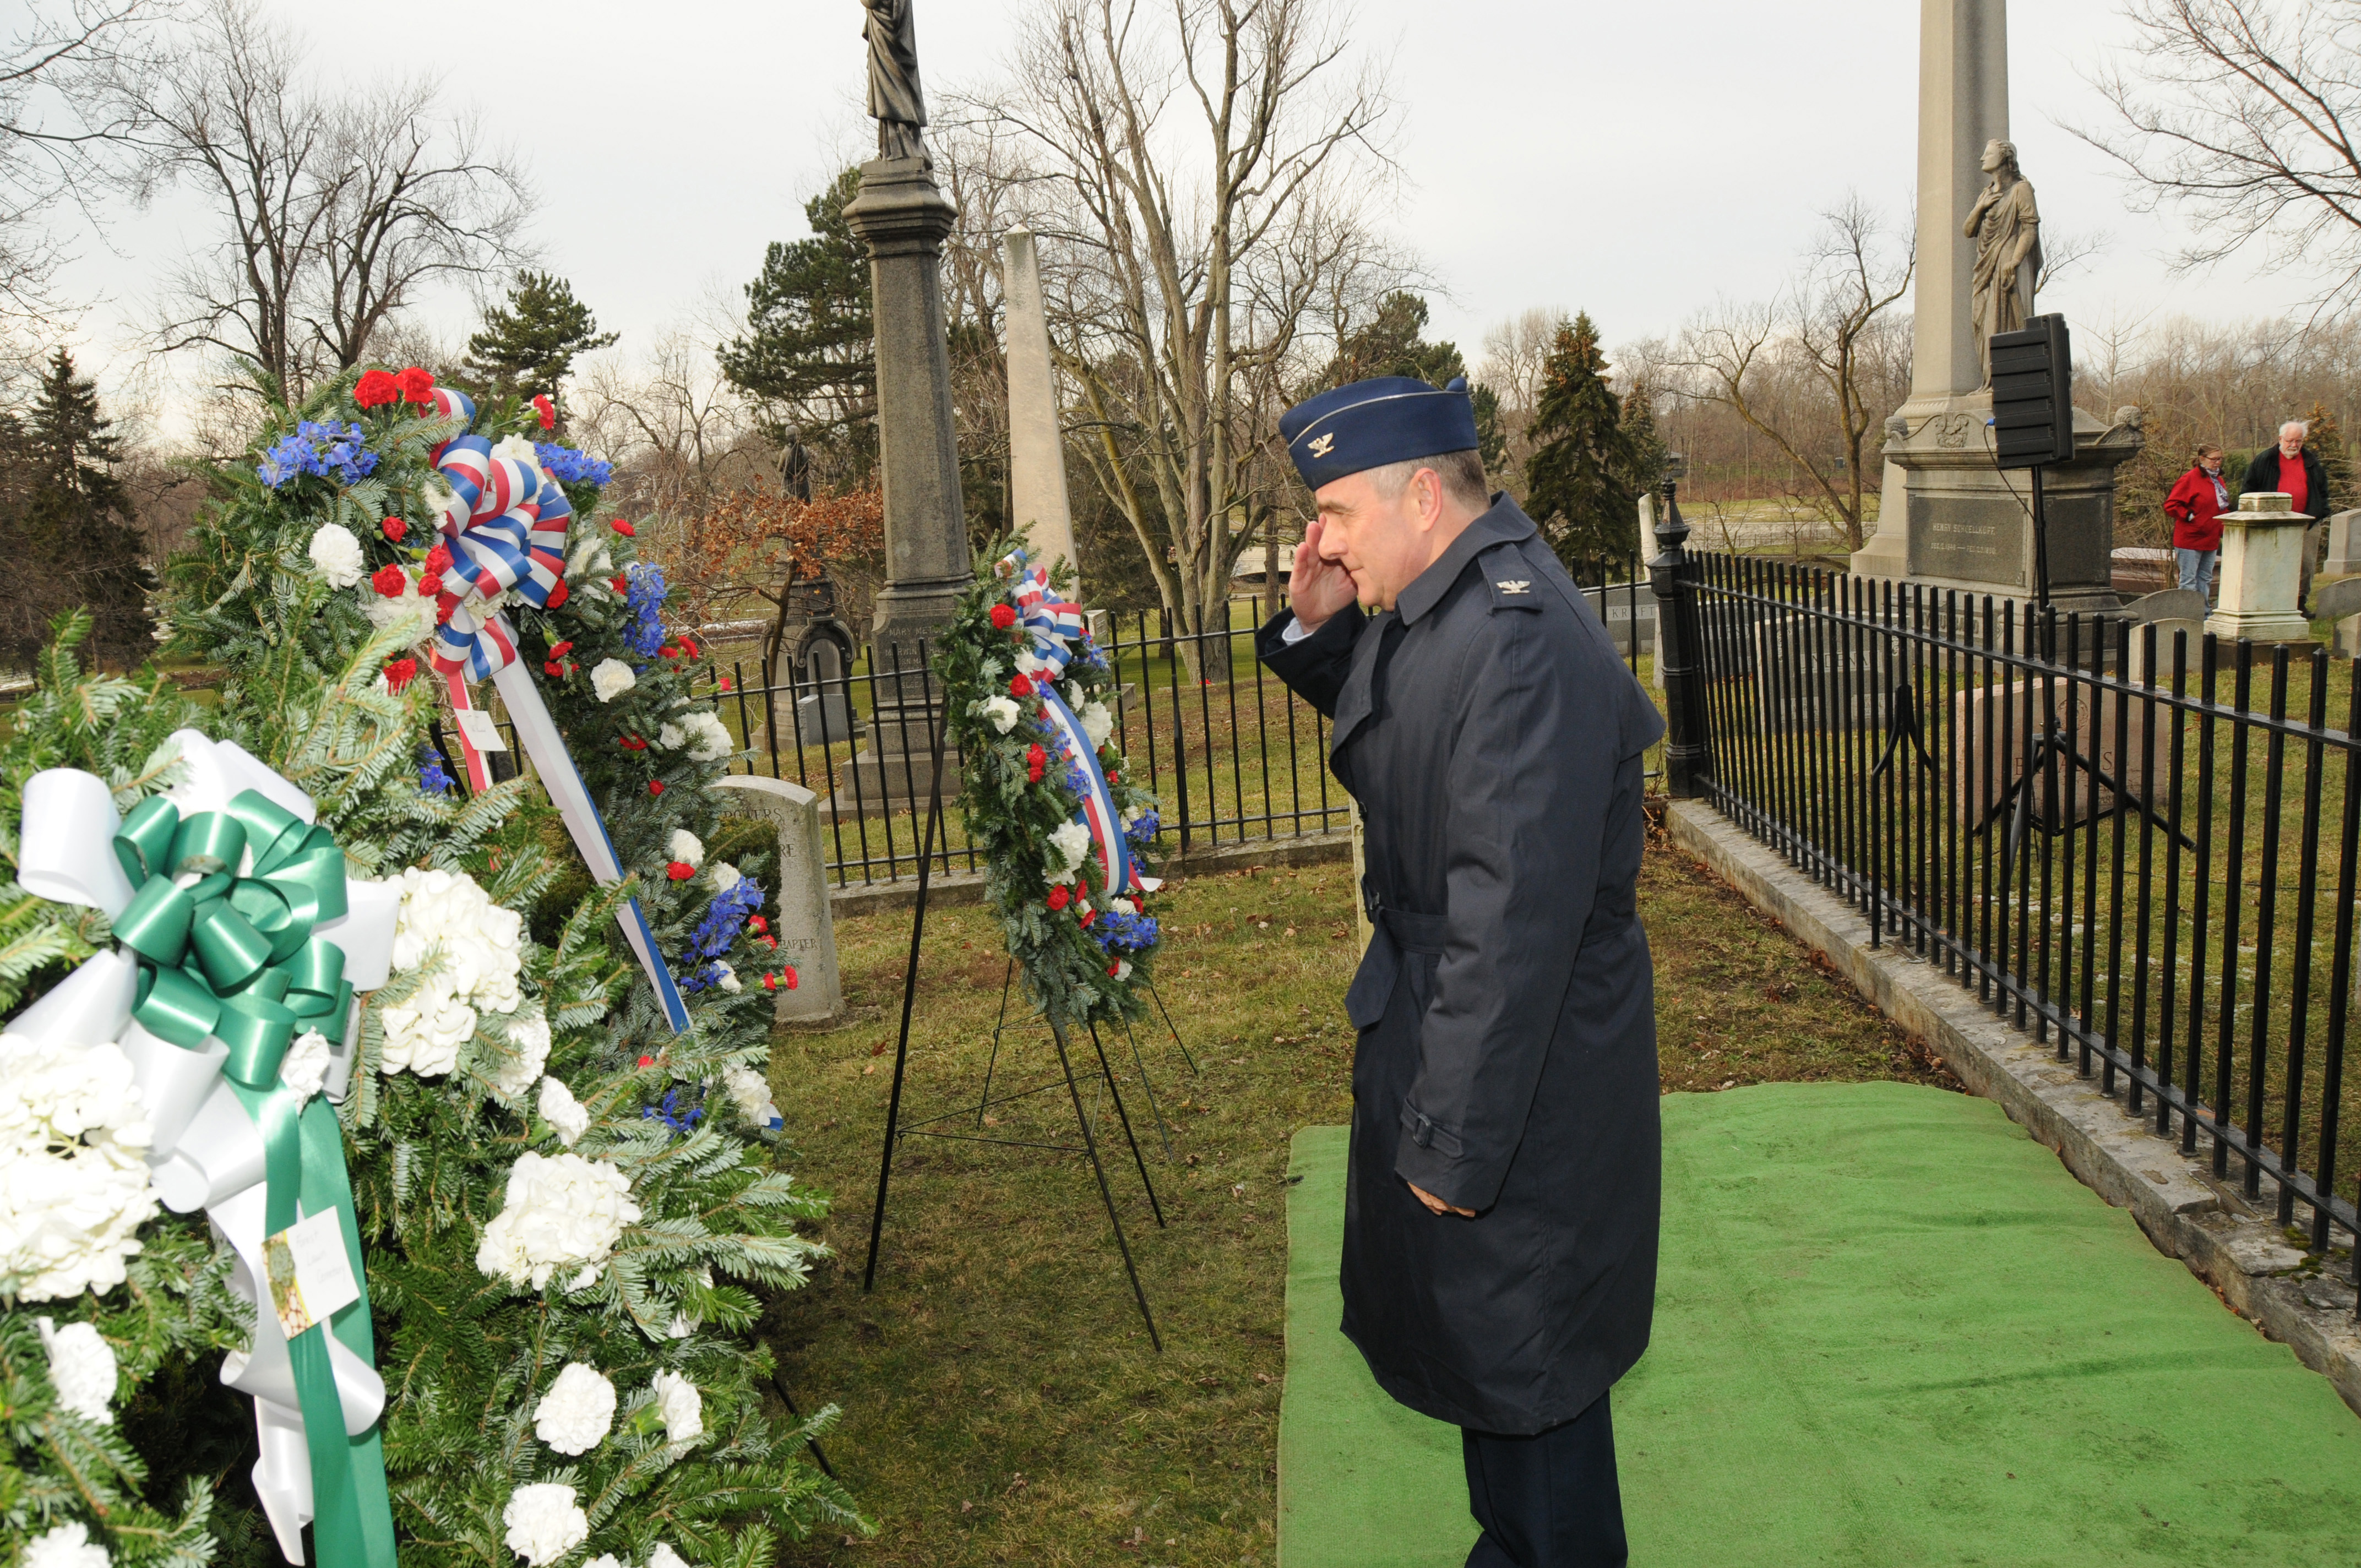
(237, 958)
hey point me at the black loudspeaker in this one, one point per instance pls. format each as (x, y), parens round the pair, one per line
(2033, 395)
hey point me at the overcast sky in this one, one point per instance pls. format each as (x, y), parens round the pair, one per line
(1632, 161)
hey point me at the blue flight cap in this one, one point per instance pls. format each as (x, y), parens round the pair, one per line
(1368, 424)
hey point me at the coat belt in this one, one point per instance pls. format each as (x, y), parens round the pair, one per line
(1415, 933)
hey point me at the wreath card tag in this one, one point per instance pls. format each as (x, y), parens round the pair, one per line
(310, 1275)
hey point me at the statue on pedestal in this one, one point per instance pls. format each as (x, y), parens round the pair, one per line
(895, 101)
(2005, 226)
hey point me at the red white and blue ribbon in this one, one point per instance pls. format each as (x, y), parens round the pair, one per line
(1055, 628)
(505, 529)
(1054, 624)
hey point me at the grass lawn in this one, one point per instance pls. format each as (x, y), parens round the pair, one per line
(1003, 1404)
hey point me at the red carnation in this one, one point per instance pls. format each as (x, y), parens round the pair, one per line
(560, 649)
(1111, 969)
(1115, 778)
(655, 786)
(395, 528)
(390, 582)
(548, 412)
(647, 1061)
(1091, 916)
(1058, 899)
(430, 585)
(619, 585)
(690, 644)
(756, 923)
(770, 982)
(551, 668)
(725, 683)
(1004, 616)
(443, 610)
(623, 527)
(1019, 687)
(417, 386)
(790, 973)
(376, 387)
(680, 870)
(439, 558)
(559, 593)
(400, 673)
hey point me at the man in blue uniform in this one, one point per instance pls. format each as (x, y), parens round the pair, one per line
(1500, 1211)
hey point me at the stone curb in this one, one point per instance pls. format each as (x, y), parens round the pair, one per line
(2234, 1247)
(967, 887)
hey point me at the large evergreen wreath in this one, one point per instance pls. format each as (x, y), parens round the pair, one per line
(1012, 656)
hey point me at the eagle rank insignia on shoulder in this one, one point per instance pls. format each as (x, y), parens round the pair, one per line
(1515, 585)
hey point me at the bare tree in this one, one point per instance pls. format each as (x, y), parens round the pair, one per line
(1196, 167)
(2245, 115)
(333, 214)
(1805, 367)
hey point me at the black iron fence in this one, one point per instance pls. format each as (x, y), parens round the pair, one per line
(2140, 847)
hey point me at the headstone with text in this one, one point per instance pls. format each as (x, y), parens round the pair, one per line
(807, 930)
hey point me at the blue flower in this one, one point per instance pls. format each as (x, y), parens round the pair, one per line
(672, 1115)
(644, 601)
(431, 779)
(718, 933)
(323, 448)
(1144, 827)
(573, 468)
(1119, 930)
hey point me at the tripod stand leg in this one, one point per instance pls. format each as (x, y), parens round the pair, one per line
(998, 1025)
(1176, 1032)
(1106, 1194)
(1106, 1076)
(1162, 1130)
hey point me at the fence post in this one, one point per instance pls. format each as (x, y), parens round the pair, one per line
(1687, 761)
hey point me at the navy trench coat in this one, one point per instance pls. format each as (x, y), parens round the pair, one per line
(1506, 1008)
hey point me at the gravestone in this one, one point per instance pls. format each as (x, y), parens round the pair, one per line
(1036, 442)
(807, 930)
(823, 709)
(1815, 673)
(2262, 571)
(2344, 549)
(2091, 724)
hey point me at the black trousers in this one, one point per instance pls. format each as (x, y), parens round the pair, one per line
(1549, 1500)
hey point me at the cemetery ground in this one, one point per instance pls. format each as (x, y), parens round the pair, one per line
(1002, 1401)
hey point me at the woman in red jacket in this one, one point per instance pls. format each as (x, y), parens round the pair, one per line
(2196, 506)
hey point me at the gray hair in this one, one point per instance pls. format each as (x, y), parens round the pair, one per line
(1462, 474)
(2296, 426)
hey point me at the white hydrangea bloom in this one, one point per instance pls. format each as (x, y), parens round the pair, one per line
(561, 1212)
(68, 1546)
(723, 875)
(685, 844)
(1001, 711)
(304, 1067)
(604, 1560)
(529, 1035)
(74, 1174)
(424, 1034)
(610, 678)
(81, 1369)
(577, 1413)
(1097, 723)
(544, 1524)
(338, 553)
(1071, 841)
(670, 736)
(567, 1116)
(444, 915)
(680, 1405)
(750, 1092)
(664, 1556)
(518, 447)
(709, 740)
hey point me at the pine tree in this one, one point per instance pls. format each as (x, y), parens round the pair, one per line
(1393, 343)
(809, 352)
(1579, 478)
(72, 544)
(2326, 439)
(528, 346)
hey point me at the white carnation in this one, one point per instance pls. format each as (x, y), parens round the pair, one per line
(74, 1174)
(521, 449)
(723, 875)
(680, 1405)
(566, 1115)
(544, 1524)
(1122, 968)
(1073, 842)
(413, 616)
(529, 1035)
(664, 1556)
(1097, 723)
(337, 555)
(590, 558)
(709, 740)
(562, 1212)
(729, 981)
(1001, 711)
(610, 678)
(684, 845)
(577, 1413)
(1031, 663)
(670, 736)
(68, 1546)
(604, 1560)
(750, 1092)
(304, 1067)
(81, 1369)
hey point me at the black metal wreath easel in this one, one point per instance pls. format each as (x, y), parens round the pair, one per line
(895, 1131)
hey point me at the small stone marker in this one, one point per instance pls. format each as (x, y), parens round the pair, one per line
(2091, 724)
(807, 931)
(2344, 549)
(2341, 602)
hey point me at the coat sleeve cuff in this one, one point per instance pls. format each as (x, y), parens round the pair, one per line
(1436, 1159)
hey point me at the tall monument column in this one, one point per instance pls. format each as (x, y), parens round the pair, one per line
(904, 218)
(1037, 443)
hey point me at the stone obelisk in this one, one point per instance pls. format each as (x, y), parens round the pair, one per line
(904, 218)
(1036, 445)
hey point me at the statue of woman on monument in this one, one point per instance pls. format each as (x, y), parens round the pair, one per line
(2006, 226)
(896, 102)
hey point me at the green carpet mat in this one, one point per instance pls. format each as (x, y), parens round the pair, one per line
(1890, 1329)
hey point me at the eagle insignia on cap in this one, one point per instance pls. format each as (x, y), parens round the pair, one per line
(1515, 585)
(1320, 445)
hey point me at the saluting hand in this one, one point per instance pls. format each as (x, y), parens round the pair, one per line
(1317, 588)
